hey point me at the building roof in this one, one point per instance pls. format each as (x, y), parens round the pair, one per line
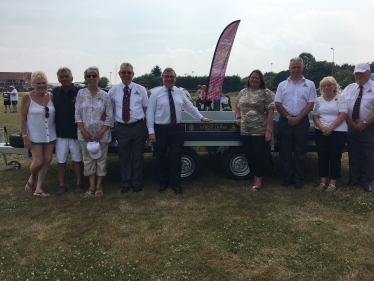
(13, 75)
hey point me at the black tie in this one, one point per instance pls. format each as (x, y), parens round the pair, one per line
(173, 116)
(356, 107)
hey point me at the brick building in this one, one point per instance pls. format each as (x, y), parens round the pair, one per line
(20, 80)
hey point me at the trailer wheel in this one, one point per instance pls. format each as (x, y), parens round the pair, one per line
(16, 165)
(235, 164)
(190, 164)
(16, 140)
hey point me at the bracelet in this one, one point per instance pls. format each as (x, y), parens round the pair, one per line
(23, 136)
(238, 117)
(269, 131)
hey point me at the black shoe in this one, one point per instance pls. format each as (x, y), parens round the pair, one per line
(367, 187)
(298, 185)
(351, 183)
(61, 190)
(178, 190)
(286, 183)
(78, 189)
(125, 189)
(137, 189)
(162, 188)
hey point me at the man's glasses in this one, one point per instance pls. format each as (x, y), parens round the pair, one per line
(169, 77)
(46, 111)
(126, 72)
(89, 76)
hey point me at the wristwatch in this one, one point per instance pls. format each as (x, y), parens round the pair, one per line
(365, 123)
(288, 116)
(269, 131)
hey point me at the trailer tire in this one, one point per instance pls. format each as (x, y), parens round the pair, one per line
(16, 140)
(235, 164)
(16, 165)
(190, 164)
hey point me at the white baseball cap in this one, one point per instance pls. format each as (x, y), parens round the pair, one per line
(361, 67)
(94, 149)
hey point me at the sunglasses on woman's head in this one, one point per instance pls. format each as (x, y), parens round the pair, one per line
(89, 76)
(46, 111)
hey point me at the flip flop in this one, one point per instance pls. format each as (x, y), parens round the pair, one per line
(42, 194)
(29, 187)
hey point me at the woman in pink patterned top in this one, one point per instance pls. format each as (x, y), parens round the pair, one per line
(91, 104)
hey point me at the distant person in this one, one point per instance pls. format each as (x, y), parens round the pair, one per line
(6, 97)
(94, 134)
(164, 115)
(329, 116)
(274, 90)
(294, 100)
(360, 100)
(225, 102)
(64, 98)
(254, 108)
(14, 98)
(38, 131)
(148, 88)
(130, 102)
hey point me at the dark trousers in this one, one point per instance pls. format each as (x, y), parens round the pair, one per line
(169, 164)
(256, 152)
(131, 141)
(330, 153)
(361, 155)
(293, 141)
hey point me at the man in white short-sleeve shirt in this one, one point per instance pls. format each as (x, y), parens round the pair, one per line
(14, 98)
(294, 100)
(130, 102)
(360, 137)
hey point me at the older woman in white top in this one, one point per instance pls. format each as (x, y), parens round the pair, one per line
(38, 130)
(91, 104)
(329, 116)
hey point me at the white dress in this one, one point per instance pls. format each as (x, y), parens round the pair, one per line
(41, 129)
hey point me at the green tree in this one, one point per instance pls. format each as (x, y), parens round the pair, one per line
(318, 71)
(103, 82)
(308, 60)
(156, 71)
(149, 79)
(269, 78)
(344, 77)
(279, 77)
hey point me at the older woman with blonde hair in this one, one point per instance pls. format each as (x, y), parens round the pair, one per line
(94, 134)
(38, 130)
(329, 116)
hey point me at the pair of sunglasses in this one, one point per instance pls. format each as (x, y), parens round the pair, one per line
(89, 76)
(126, 72)
(46, 111)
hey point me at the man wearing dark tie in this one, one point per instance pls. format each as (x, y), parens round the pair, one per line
(165, 130)
(360, 139)
(130, 103)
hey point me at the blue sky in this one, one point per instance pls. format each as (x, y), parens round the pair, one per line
(45, 35)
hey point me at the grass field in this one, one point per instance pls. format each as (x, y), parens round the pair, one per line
(217, 230)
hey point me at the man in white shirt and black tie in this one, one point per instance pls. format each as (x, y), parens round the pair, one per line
(130, 103)
(165, 130)
(360, 138)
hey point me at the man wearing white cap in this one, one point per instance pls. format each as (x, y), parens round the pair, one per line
(360, 100)
(14, 98)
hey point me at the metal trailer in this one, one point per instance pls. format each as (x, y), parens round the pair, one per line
(221, 137)
(6, 149)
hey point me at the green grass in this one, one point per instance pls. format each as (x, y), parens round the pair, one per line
(217, 230)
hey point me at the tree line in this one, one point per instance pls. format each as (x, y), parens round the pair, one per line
(313, 70)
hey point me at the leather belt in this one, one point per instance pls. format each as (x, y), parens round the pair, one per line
(130, 124)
